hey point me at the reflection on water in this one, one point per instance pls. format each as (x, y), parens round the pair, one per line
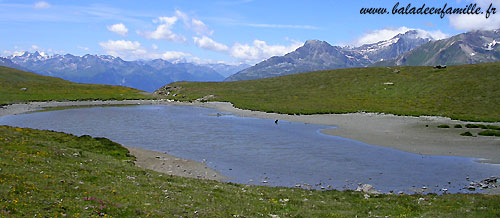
(252, 150)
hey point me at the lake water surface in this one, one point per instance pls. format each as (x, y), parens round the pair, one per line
(251, 150)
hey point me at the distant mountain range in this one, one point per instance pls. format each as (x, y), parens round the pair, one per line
(8, 63)
(319, 55)
(466, 48)
(109, 70)
(411, 48)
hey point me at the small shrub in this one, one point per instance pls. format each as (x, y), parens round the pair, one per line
(469, 125)
(466, 134)
(85, 137)
(482, 126)
(443, 126)
(493, 127)
(457, 126)
(489, 133)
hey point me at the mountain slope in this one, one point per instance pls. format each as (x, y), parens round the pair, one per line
(227, 70)
(394, 47)
(8, 63)
(314, 55)
(467, 48)
(21, 86)
(319, 55)
(105, 69)
(465, 92)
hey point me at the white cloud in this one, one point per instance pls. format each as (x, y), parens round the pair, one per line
(154, 46)
(388, 33)
(477, 22)
(260, 50)
(200, 28)
(193, 24)
(210, 44)
(169, 21)
(132, 50)
(164, 30)
(83, 48)
(124, 49)
(42, 5)
(120, 45)
(183, 16)
(13, 53)
(119, 29)
(174, 55)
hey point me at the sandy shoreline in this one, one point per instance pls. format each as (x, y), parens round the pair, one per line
(170, 165)
(404, 133)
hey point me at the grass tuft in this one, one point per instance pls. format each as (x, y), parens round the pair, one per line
(489, 133)
(466, 134)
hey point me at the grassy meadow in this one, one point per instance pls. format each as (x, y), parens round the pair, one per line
(18, 86)
(52, 174)
(464, 92)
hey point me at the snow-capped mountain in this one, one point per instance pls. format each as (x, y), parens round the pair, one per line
(319, 55)
(8, 63)
(466, 48)
(105, 69)
(394, 47)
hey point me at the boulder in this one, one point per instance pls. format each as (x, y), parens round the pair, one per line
(367, 188)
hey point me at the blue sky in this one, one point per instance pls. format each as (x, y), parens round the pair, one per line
(210, 31)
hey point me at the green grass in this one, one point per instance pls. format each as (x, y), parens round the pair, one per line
(465, 92)
(493, 127)
(443, 126)
(466, 134)
(457, 126)
(44, 88)
(51, 174)
(470, 125)
(489, 133)
(482, 126)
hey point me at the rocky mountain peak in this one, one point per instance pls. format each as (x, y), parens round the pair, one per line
(408, 34)
(315, 43)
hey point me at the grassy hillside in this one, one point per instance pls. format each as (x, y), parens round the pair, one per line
(465, 92)
(51, 174)
(43, 88)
